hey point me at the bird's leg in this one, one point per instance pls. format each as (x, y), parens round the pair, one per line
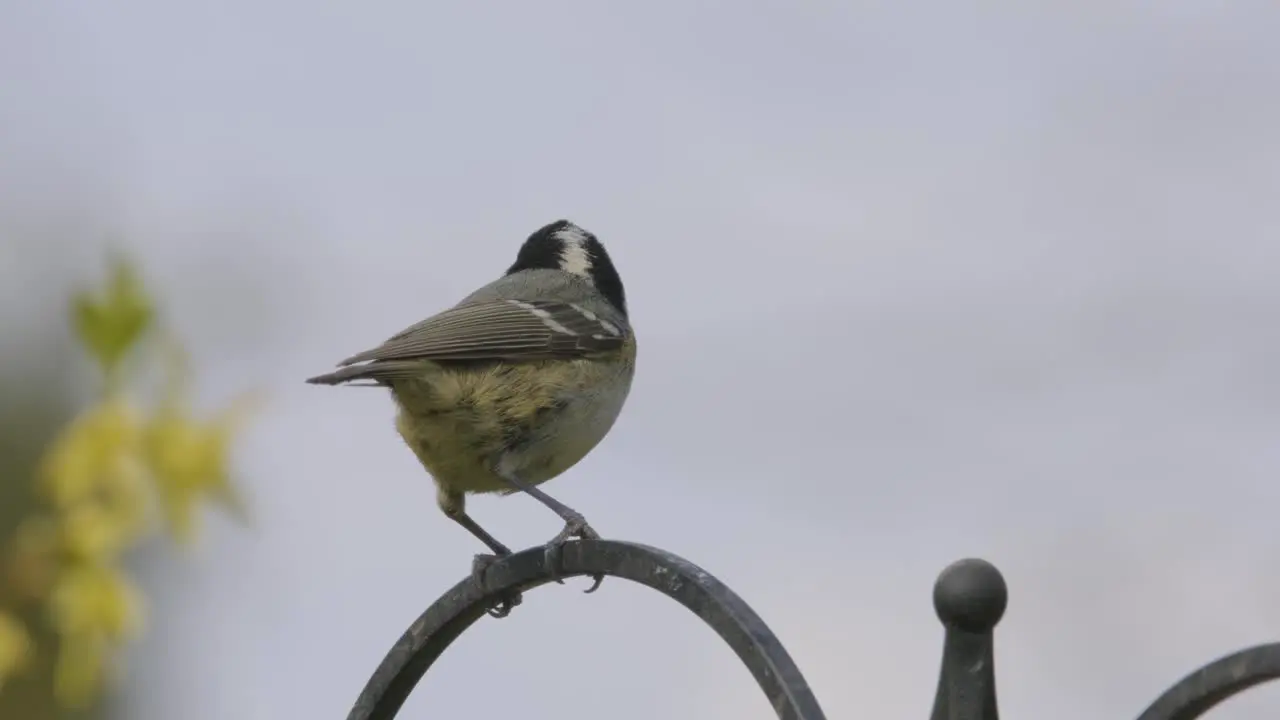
(452, 505)
(463, 519)
(575, 525)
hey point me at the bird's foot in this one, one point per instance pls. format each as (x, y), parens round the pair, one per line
(506, 603)
(574, 526)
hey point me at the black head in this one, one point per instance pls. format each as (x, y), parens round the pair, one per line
(565, 246)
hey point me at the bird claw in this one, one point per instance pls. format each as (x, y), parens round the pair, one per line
(506, 603)
(574, 527)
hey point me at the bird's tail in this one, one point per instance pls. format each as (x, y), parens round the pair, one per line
(378, 372)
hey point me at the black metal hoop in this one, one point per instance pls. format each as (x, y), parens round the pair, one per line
(1197, 693)
(691, 586)
(970, 597)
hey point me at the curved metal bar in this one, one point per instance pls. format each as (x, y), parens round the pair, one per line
(691, 586)
(1197, 693)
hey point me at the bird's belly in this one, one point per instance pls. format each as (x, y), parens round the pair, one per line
(562, 443)
(462, 432)
(451, 450)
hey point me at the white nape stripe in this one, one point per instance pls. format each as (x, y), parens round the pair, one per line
(573, 253)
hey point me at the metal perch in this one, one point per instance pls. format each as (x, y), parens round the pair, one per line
(970, 597)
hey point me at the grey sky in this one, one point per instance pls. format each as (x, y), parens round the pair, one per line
(913, 281)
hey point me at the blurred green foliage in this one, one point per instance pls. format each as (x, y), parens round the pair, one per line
(111, 478)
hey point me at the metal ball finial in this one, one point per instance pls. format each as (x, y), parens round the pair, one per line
(971, 595)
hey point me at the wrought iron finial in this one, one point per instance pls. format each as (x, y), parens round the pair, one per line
(970, 598)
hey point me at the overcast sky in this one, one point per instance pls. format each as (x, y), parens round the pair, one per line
(912, 282)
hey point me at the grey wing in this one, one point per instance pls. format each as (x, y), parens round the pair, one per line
(498, 330)
(495, 330)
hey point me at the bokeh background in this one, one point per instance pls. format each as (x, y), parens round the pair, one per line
(913, 281)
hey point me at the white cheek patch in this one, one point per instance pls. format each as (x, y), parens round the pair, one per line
(574, 257)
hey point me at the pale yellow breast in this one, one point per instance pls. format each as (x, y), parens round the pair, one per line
(530, 417)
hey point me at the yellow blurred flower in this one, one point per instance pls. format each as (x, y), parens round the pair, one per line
(15, 647)
(97, 448)
(99, 532)
(190, 460)
(95, 600)
(103, 478)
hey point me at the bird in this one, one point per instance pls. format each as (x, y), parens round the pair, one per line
(513, 385)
